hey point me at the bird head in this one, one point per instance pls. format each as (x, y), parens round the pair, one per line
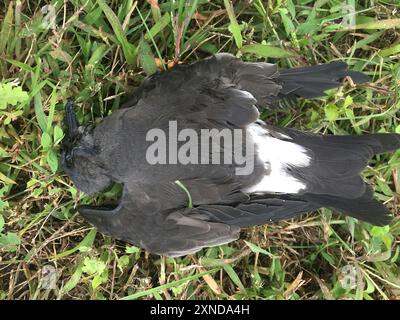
(80, 156)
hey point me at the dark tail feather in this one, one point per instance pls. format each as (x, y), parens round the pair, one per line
(311, 82)
(364, 208)
(378, 142)
(333, 178)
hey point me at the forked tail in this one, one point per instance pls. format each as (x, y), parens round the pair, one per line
(311, 82)
(333, 176)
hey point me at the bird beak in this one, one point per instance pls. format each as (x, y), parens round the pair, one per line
(70, 120)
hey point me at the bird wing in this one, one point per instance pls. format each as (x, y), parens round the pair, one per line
(159, 219)
(221, 70)
(269, 86)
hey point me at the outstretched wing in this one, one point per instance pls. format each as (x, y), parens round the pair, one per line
(160, 221)
(158, 218)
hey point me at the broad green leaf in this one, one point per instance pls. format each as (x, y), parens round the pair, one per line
(10, 241)
(93, 266)
(123, 261)
(132, 249)
(347, 102)
(58, 134)
(1, 223)
(379, 231)
(331, 112)
(387, 239)
(11, 95)
(97, 281)
(46, 141)
(146, 58)
(52, 160)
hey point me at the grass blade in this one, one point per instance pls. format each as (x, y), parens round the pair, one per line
(391, 51)
(40, 116)
(380, 24)
(74, 280)
(169, 285)
(128, 49)
(87, 242)
(234, 277)
(6, 27)
(158, 27)
(266, 51)
(234, 27)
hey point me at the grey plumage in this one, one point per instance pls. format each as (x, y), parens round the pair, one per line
(221, 92)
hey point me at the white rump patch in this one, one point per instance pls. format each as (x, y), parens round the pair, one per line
(277, 155)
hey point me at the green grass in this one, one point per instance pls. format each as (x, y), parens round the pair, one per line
(102, 49)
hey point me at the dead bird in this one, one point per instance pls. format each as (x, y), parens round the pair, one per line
(179, 195)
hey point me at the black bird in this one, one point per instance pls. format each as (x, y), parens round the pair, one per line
(174, 208)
